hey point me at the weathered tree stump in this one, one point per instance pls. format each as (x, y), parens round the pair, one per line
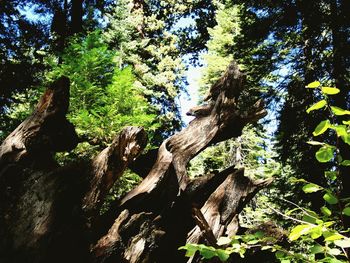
(50, 213)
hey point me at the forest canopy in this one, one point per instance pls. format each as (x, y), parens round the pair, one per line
(96, 149)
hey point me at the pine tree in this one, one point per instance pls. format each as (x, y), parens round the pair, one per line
(219, 46)
(250, 149)
(103, 97)
(140, 31)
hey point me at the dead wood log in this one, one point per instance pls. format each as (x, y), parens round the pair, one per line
(30, 190)
(109, 165)
(223, 206)
(51, 213)
(167, 195)
(224, 121)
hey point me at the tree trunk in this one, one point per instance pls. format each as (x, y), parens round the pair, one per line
(52, 213)
(77, 16)
(340, 75)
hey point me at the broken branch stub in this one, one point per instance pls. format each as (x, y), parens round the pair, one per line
(45, 131)
(110, 164)
(221, 210)
(226, 202)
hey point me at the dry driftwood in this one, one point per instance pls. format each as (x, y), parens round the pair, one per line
(51, 213)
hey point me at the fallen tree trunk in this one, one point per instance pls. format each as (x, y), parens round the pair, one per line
(51, 213)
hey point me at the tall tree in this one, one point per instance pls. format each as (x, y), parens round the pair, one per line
(140, 31)
(295, 36)
(218, 56)
(77, 16)
(21, 59)
(254, 147)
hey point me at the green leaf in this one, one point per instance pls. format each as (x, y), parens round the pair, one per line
(224, 241)
(222, 254)
(298, 231)
(346, 211)
(339, 158)
(279, 254)
(326, 211)
(345, 163)
(236, 246)
(322, 127)
(316, 249)
(297, 180)
(330, 90)
(318, 105)
(253, 242)
(332, 236)
(346, 122)
(330, 198)
(311, 188)
(334, 260)
(329, 224)
(339, 111)
(309, 219)
(334, 251)
(289, 212)
(259, 234)
(344, 243)
(207, 252)
(312, 213)
(313, 85)
(316, 232)
(248, 237)
(190, 249)
(346, 138)
(341, 130)
(266, 247)
(325, 154)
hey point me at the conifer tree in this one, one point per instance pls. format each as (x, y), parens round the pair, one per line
(302, 38)
(140, 31)
(103, 97)
(250, 149)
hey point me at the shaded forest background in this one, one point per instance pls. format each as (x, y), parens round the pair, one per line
(127, 59)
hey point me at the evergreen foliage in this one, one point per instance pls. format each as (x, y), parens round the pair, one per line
(104, 98)
(140, 31)
(250, 150)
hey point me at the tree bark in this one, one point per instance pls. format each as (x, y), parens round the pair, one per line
(340, 75)
(52, 213)
(77, 16)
